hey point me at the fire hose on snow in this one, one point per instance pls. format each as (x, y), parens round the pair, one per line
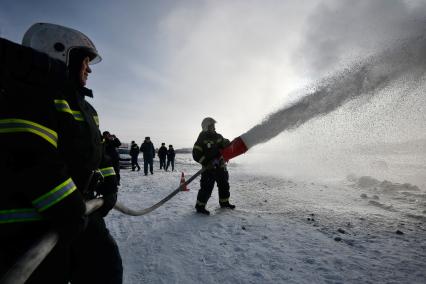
(131, 212)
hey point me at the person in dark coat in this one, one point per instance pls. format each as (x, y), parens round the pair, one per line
(162, 154)
(148, 150)
(171, 158)
(44, 115)
(206, 151)
(134, 153)
(111, 145)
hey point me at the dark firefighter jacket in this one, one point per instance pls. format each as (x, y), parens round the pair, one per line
(207, 148)
(50, 144)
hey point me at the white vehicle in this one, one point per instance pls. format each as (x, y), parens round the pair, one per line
(125, 158)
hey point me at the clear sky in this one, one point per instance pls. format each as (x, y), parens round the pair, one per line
(168, 64)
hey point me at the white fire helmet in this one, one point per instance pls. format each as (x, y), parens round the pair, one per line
(207, 122)
(57, 41)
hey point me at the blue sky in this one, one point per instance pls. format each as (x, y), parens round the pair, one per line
(168, 64)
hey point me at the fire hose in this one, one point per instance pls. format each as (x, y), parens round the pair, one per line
(123, 209)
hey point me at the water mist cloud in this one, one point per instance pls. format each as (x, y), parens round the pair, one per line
(389, 108)
(366, 78)
(339, 31)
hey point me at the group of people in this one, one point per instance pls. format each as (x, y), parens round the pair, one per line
(148, 150)
(112, 143)
(46, 120)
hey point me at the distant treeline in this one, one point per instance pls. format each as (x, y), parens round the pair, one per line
(183, 150)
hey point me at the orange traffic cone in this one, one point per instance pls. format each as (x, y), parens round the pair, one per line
(182, 181)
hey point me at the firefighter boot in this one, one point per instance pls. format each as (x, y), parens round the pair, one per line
(227, 205)
(202, 209)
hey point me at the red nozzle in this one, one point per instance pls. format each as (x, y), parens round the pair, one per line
(236, 148)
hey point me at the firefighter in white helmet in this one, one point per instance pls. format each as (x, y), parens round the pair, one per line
(46, 120)
(206, 151)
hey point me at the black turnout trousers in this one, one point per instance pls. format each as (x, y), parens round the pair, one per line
(208, 178)
(94, 256)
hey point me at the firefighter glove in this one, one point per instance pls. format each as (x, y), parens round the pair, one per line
(71, 229)
(109, 202)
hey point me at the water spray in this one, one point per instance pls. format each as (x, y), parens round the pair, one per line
(366, 78)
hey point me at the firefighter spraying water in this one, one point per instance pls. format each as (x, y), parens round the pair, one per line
(206, 151)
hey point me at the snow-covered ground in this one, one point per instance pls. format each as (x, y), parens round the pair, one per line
(284, 230)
